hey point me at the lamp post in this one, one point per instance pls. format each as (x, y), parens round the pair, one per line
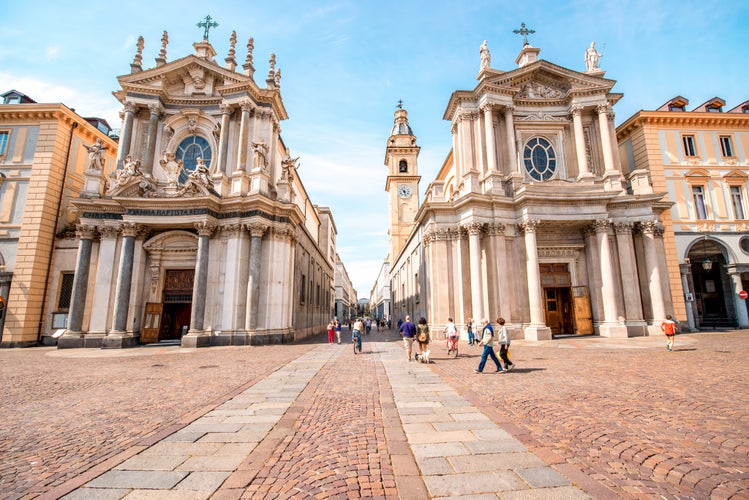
(707, 264)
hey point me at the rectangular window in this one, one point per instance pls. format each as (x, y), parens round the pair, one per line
(738, 202)
(698, 193)
(66, 291)
(726, 146)
(4, 136)
(303, 289)
(690, 145)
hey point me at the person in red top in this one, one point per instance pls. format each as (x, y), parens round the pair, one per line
(669, 328)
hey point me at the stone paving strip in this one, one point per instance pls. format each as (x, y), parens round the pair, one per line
(458, 449)
(193, 462)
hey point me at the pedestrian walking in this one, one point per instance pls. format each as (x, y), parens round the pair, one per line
(331, 332)
(451, 334)
(669, 328)
(338, 330)
(487, 340)
(423, 338)
(408, 331)
(503, 337)
(471, 330)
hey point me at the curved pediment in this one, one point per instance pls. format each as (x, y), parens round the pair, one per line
(172, 241)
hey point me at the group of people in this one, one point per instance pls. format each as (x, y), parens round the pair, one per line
(420, 333)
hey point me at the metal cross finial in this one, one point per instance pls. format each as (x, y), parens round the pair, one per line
(208, 23)
(525, 32)
(400, 104)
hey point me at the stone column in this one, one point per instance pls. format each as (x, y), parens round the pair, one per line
(223, 141)
(491, 150)
(685, 271)
(577, 124)
(739, 303)
(628, 270)
(652, 268)
(153, 125)
(235, 264)
(85, 235)
(608, 284)
(456, 159)
(124, 279)
(197, 315)
(535, 291)
(104, 277)
(244, 124)
(253, 283)
(126, 134)
(477, 287)
(502, 276)
(512, 152)
(604, 112)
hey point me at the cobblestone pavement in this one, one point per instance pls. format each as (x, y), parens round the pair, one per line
(614, 417)
(626, 415)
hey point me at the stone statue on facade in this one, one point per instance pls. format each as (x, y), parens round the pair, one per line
(199, 181)
(96, 155)
(288, 167)
(591, 57)
(486, 57)
(172, 167)
(261, 154)
(130, 169)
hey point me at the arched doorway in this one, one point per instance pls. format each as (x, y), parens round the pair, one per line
(713, 298)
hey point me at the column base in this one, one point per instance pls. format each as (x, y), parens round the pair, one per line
(196, 338)
(77, 340)
(537, 332)
(586, 177)
(119, 340)
(613, 330)
(637, 329)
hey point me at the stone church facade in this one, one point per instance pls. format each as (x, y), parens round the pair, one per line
(205, 234)
(530, 216)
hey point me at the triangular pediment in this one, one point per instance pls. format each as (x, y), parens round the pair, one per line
(544, 80)
(185, 77)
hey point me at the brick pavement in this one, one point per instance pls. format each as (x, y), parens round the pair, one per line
(626, 417)
(618, 418)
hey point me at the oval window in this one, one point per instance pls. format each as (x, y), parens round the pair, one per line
(539, 159)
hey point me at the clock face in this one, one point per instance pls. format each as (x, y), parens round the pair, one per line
(404, 191)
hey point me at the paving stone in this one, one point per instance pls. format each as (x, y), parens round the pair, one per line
(152, 462)
(138, 479)
(494, 446)
(542, 477)
(202, 481)
(473, 483)
(96, 494)
(495, 462)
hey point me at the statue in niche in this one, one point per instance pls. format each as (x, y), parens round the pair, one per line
(592, 56)
(288, 167)
(172, 167)
(261, 154)
(486, 56)
(95, 155)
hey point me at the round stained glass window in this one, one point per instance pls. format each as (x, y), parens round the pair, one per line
(744, 244)
(540, 159)
(189, 150)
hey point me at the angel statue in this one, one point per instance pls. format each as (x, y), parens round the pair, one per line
(95, 155)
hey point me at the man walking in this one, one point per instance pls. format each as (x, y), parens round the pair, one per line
(408, 330)
(487, 340)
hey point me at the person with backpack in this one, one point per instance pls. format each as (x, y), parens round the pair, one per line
(487, 340)
(422, 337)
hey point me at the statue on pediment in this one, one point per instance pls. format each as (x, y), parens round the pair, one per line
(536, 90)
(486, 56)
(199, 181)
(172, 167)
(591, 57)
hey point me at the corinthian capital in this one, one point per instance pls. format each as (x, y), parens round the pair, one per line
(602, 225)
(529, 226)
(129, 107)
(205, 228)
(256, 229)
(473, 228)
(130, 229)
(85, 232)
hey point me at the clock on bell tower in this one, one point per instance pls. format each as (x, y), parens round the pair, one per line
(402, 180)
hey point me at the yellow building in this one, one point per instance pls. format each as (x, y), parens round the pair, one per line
(44, 151)
(699, 158)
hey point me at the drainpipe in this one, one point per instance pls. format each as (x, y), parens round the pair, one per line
(52, 247)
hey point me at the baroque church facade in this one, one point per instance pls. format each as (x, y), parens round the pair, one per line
(204, 234)
(530, 216)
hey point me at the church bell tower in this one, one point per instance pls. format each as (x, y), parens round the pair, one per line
(402, 180)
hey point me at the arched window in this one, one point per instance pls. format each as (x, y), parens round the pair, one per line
(403, 167)
(189, 150)
(540, 159)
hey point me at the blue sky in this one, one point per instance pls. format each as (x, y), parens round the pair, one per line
(345, 64)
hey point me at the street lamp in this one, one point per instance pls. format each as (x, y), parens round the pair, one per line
(707, 264)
